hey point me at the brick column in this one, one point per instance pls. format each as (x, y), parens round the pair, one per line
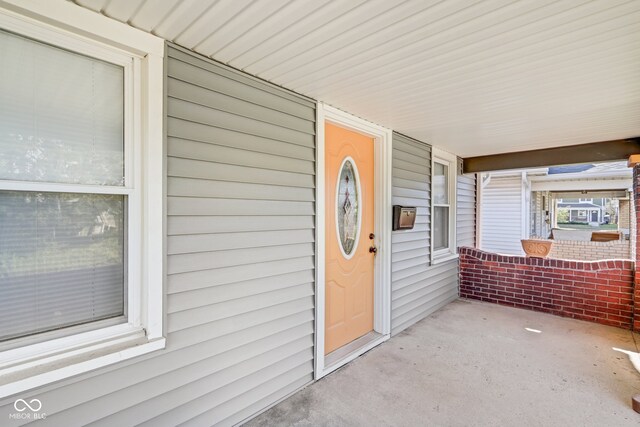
(636, 204)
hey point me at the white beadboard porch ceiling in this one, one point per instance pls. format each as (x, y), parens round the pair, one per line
(473, 77)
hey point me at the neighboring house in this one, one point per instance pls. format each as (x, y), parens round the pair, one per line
(585, 211)
(503, 203)
(517, 205)
(186, 243)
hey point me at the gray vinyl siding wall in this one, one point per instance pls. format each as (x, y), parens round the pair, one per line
(240, 262)
(417, 287)
(466, 210)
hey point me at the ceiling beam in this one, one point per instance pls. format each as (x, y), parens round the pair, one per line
(604, 151)
(605, 194)
(582, 184)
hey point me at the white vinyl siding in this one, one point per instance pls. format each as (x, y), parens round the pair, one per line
(502, 215)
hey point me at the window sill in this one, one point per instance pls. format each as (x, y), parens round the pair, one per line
(439, 259)
(55, 366)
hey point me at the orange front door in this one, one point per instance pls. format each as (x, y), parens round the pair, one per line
(349, 220)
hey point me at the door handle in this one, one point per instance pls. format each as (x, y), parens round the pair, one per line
(373, 250)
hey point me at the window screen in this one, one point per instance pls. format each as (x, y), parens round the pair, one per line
(440, 183)
(440, 227)
(61, 260)
(62, 255)
(441, 206)
(61, 115)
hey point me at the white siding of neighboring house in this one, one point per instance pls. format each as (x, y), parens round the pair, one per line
(502, 215)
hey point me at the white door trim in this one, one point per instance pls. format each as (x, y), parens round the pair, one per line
(382, 191)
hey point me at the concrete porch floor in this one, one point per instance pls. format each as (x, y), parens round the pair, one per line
(474, 363)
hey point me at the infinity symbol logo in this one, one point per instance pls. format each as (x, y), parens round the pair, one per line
(21, 403)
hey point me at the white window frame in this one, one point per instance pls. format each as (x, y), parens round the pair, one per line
(451, 161)
(587, 200)
(63, 24)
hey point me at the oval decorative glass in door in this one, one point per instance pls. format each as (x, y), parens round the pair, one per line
(348, 206)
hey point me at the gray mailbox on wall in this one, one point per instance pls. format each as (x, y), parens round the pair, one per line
(404, 217)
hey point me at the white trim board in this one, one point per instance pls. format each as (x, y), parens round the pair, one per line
(67, 16)
(382, 189)
(526, 207)
(583, 184)
(478, 226)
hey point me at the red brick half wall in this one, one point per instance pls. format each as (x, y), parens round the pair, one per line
(596, 291)
(636, 198)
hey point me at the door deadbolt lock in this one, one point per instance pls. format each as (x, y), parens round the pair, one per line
(372, 236)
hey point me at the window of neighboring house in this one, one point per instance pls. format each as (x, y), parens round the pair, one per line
(582, 214)
(443, 178)
(72, 213)
(585, 200)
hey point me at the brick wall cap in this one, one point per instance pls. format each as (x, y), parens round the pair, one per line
(609, 264)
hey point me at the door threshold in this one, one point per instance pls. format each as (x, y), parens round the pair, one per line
(354, 349)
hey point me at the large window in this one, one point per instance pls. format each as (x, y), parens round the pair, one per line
(62, 253)
(443, 197)
(80, 195)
